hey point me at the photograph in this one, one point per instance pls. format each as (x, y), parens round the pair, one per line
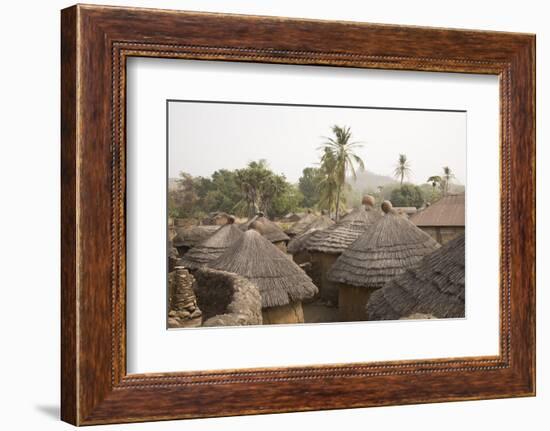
(304, 214)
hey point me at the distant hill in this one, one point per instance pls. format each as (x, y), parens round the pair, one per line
(369, 182)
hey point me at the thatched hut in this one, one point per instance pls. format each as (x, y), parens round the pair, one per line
(292, 217)
(435, 288)
(188, 237)
(268, 229)
(386, 250)
(218, 218)
(227, 299)
(283, 285)
(297, 247)
(212, 247)
(326, 245)
(309, 221)
(444, 219)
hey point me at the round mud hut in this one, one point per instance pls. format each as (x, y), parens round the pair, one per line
(212, 247)
(227, 299)
(435, 288)
(282, 284)
(268, 229)
(385, 251)
(326, 245)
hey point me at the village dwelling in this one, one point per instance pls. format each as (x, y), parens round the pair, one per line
(444, 219)
(406, 211)
(269, 230)
(435, 289)
(282, 284)
(212, 247)
(292, 217)
(309, 221)
(227, 299)
(390, 246)
(297, 247)
(217, 219)
(188, 237)
(326, 245)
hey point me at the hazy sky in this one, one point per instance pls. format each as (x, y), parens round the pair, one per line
(204, 137)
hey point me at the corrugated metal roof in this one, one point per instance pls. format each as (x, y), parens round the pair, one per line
(447, 211)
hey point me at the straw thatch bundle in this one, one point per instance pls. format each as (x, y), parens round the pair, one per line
(338, 237)
(390, 246)
(188, 237)
(278, 278)
(435, 287)
(267, 228)
(212, 247)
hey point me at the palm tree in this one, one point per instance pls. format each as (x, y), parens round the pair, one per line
(327, 186)
(448, 175)
(402, 169)
(340, 156)
(435, 180)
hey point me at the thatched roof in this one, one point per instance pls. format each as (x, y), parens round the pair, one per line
(266, 227)
(338, 237)
(298, 243)
(191, 236)
(435, 287)
(390, 246)
(310, 221)
(447, 211)
(212, 247)
(278, 278)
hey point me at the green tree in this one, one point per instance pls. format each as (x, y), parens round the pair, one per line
(182, 201)
(402, 169)
(434, 180)
(288, 200)
(339, 153)
(260, 187)
(408, 195)
(219, 192)
(309, 185)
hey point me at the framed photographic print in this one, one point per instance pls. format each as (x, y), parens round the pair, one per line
(266, 215)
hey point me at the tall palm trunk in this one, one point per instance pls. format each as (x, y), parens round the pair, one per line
(337, 203)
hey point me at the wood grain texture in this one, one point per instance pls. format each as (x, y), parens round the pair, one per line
(96, 41)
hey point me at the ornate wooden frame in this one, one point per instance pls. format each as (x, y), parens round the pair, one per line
(96, 41)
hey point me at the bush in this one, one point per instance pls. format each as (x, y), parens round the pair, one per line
(408, 195)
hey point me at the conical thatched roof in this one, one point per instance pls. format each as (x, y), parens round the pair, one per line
(279, 280)
(266, 227)
(191, 236)
(338, 237)
(212, 247)
(384, 251)
(298, 243)
(435, 287)
(310, 221)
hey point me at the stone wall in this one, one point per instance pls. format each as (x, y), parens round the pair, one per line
(183, 309)
(227, 299)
